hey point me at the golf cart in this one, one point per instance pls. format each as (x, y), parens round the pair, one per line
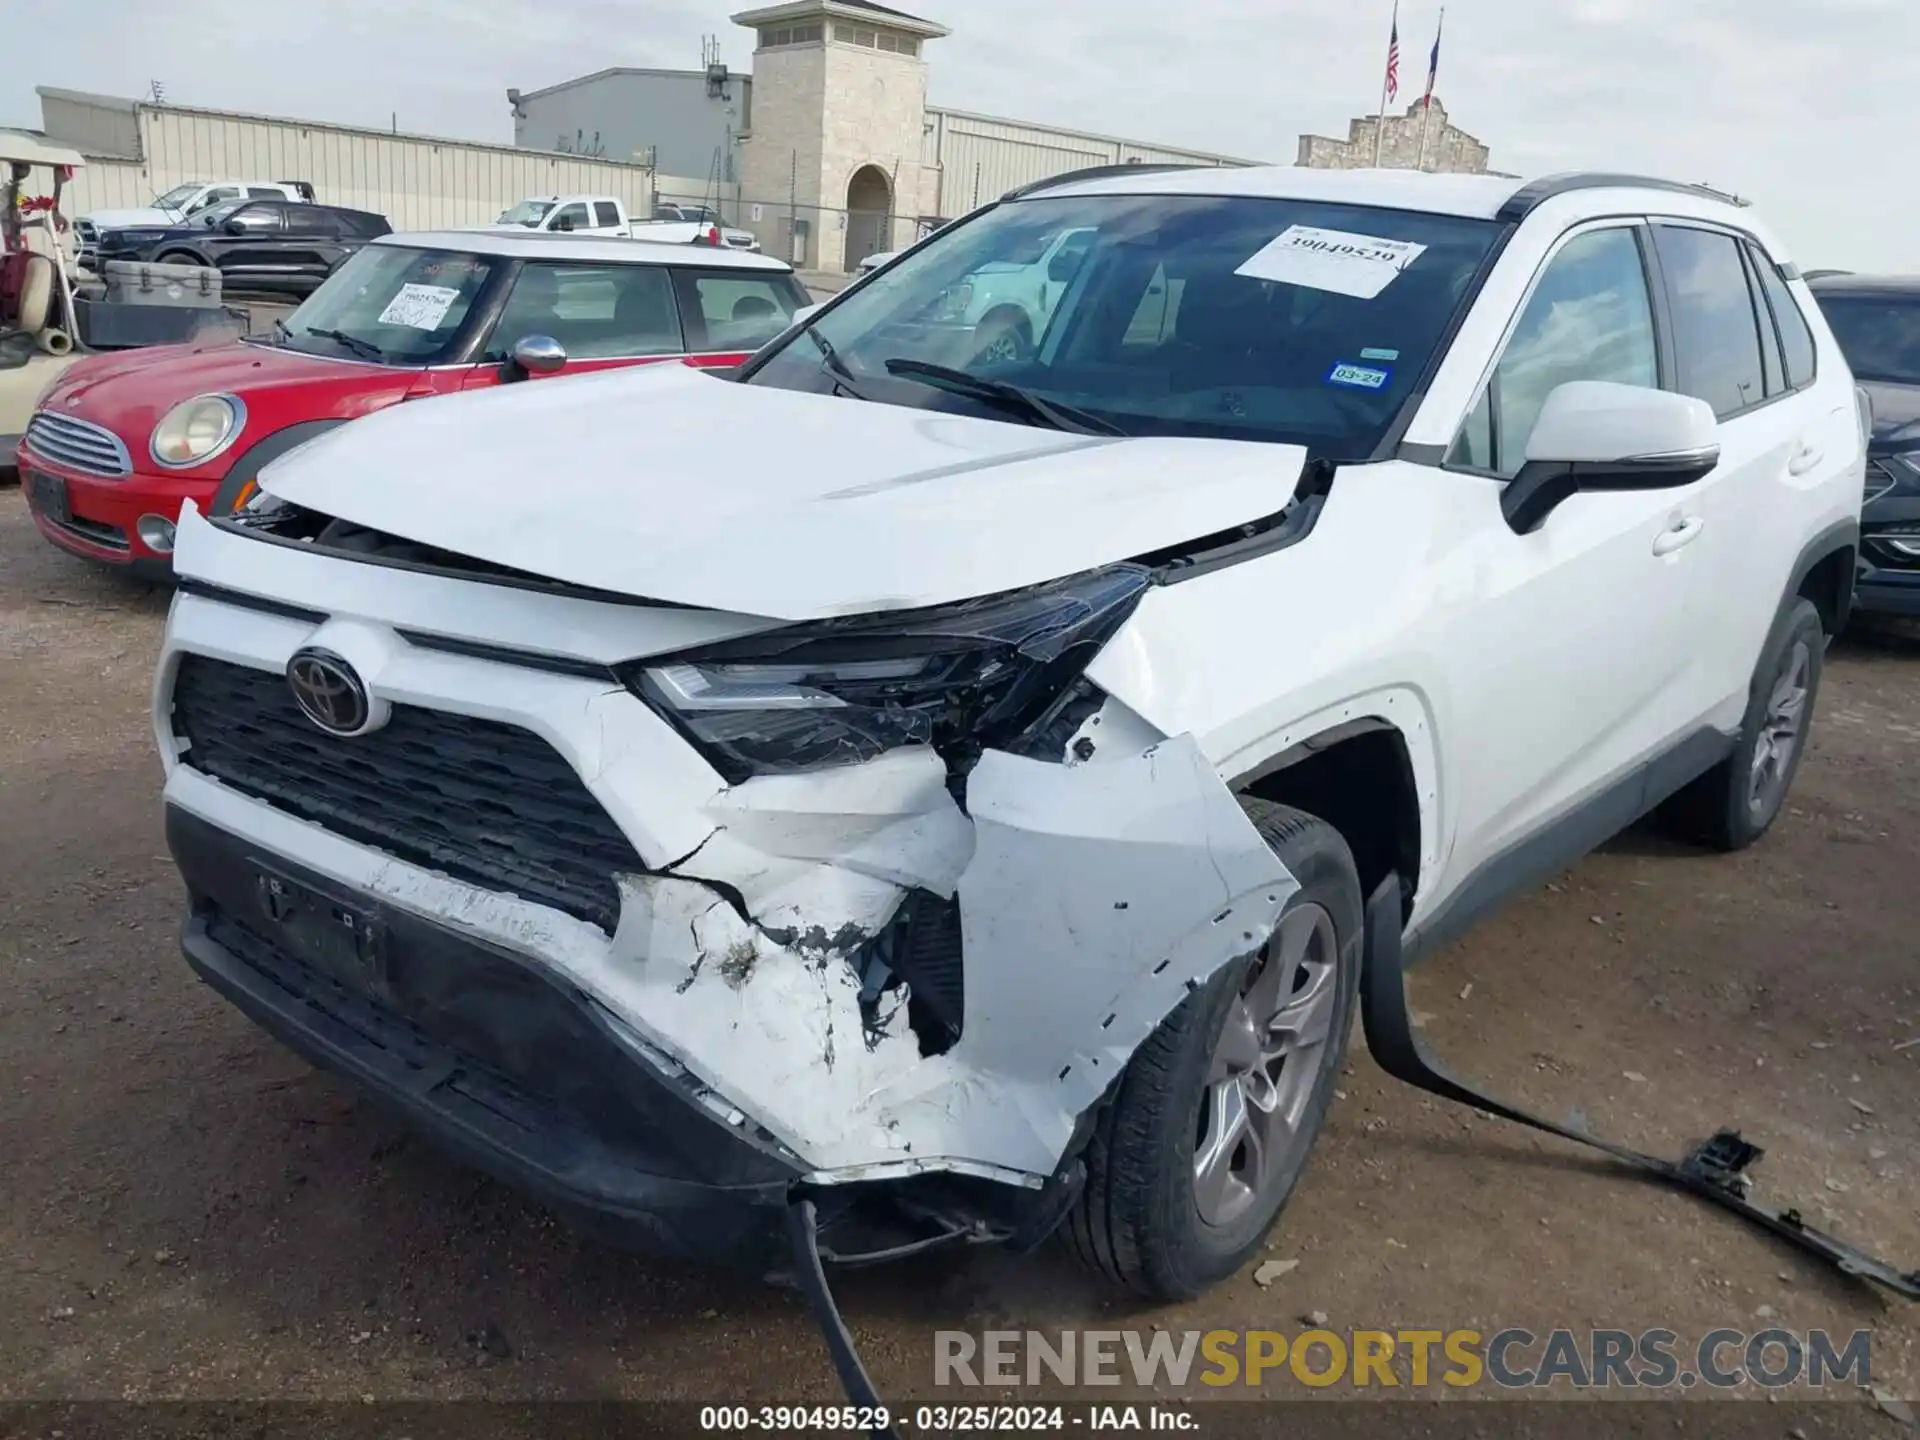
(37, 312)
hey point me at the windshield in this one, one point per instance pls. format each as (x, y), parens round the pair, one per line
(1879, 335)
(1255, 319)
(176, 198)
(528, 212)
(390, 304)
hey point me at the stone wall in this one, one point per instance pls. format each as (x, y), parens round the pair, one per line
(782, 156)
(876, 116)
(1449, 149)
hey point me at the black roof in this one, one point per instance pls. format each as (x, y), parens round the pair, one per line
(880, 9)
(1843, 283)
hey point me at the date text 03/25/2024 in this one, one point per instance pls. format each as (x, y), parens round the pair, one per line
(936, 1419)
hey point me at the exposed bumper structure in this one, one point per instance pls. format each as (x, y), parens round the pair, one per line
(737, 1030)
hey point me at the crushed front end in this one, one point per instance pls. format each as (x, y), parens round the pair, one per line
(673, 916)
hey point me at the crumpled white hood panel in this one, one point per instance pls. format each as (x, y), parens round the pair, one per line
(669, 484)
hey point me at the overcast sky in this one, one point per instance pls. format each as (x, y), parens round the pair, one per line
(1807, 108)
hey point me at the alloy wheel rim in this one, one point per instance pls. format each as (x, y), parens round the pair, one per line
(1781, 729)
(1261, 1076)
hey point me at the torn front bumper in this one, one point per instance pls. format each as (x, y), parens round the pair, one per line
(738, 973)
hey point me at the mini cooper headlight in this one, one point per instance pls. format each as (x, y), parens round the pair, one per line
(196, 430)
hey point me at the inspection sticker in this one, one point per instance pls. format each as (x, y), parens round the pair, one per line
(1359, 377)
(419, 307)
(1334, 260)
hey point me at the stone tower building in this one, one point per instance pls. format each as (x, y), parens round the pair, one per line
(1449, 150)
(839, 125)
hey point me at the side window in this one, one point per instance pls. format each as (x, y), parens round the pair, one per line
(1796, 340)
(571, 217)
(606, 213)
(260, 219)
(1771, 364)
(262, 192)
(311, 220)
(743, 312)
(1158, 312)
(1590, 317)
(1716, 335)
(596, 312)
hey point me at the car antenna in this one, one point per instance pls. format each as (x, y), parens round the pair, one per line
(1716, 1170)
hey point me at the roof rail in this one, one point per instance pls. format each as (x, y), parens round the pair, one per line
(1095, 172)
(1534, 193)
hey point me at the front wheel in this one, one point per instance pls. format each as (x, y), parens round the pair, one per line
(1208, 1131)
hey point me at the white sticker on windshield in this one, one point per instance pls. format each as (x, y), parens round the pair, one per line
(419, 307)
(1334, 260)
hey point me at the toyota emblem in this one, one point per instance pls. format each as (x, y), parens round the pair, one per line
(328, 692)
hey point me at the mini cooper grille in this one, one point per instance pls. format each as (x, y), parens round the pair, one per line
(79, 444)
(490, 804)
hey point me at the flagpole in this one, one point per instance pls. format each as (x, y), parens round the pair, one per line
(1433, 72)
(1380, 126)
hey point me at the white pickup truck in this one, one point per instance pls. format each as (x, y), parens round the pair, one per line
(607, 215)
(175, 205)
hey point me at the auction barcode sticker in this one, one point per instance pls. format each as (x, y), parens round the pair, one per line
(1334, 260)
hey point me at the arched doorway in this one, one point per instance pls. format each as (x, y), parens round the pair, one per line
(869, 214)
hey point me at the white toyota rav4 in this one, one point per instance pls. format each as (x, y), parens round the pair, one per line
(943, 789)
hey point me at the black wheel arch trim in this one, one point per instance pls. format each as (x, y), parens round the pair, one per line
(260, 454)
(1841, 537)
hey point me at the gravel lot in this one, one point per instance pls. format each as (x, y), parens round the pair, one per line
(187, 1210)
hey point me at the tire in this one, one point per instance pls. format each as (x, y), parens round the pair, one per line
(182, 257)
(1736, 802)
(1005, 336)
(1145, 1219)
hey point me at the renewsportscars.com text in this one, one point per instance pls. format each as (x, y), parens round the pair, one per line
(1513, 1359)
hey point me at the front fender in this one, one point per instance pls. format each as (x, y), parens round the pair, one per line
(256, 457)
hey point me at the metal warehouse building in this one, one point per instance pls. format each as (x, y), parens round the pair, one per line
(136, 150)
(828, 150)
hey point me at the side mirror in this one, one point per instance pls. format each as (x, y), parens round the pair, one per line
(538, 355)
(1063, 267)
(1594, 435)
(804, 315)
(235, 227)
(565, 222)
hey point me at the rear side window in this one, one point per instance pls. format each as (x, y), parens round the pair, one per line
(741, 311)
(596, 312)
(605, 212)
(1796, 340)
(311, 220)
(1716, 333)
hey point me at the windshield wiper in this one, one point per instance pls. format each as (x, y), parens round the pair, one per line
(363, 348)
(1006, 395)
(836, 367)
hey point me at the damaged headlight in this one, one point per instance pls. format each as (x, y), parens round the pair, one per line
(959, 677)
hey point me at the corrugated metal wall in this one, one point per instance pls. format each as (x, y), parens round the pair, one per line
(981, 157)
(417, 182)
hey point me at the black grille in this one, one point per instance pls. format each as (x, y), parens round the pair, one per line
(490, 804)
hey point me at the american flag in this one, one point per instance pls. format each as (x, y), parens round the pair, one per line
(1393, 57)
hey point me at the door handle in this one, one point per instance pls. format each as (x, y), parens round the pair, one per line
(1679, 537)
(1805, 457)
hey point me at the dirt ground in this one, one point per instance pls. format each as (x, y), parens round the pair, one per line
(187, 1210)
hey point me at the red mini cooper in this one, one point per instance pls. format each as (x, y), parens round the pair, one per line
(120, 440)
